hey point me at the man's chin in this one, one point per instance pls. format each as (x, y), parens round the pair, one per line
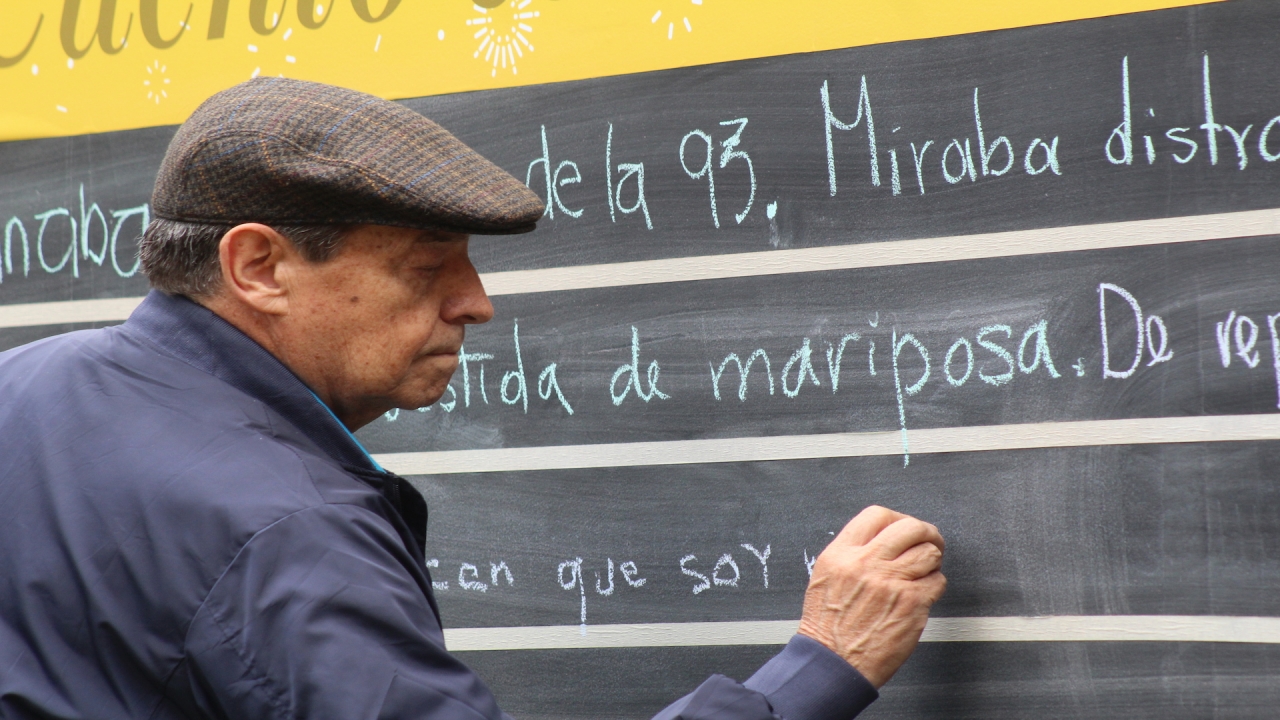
(427, 383)
(421, 398)
(417, 402)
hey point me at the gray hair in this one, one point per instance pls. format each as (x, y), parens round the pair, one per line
(181, 258)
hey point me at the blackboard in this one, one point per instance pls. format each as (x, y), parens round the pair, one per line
(636, 443)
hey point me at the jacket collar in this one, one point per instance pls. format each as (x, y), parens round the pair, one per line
(198, 337)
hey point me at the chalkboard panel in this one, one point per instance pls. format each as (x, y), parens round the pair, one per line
(1084, 125)
(1180, 529)
(1061, 81)
(85, 193)
(988, 311)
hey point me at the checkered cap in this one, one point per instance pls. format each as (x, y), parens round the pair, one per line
(273, 150)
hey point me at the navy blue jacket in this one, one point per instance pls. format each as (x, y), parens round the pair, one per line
(186, 531)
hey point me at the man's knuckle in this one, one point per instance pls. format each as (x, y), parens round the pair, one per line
(826, 562)
(921, 527)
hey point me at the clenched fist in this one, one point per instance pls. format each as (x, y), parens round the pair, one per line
(871, 590)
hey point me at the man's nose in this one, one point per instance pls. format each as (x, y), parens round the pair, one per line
(468, 303)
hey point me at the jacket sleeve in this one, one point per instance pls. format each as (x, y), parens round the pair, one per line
(322, 615)
(805, 681)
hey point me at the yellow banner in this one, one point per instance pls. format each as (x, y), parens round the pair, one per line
(70, 67)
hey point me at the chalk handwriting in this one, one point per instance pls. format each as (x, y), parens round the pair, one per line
(631, 574)
(809, 562)
(996, 354)
(704, 582)
(744, 370)
(630, 374)
(570, 575)
(726, 563)
(803, 360)
(1238, 336)
(434, 563)
(957, 160)
(514, 388)
(466, 571)
(728, 153)
(606, 591)
(1275, 351)
(1124, 131)
(989, 152)
(71, 234)
(627, 171)
(1119, 145)
(1150, 335)
(515, 377)
(548, 384)
(912, 389)
(464, 361)
(830, 121)
(763, 557)
(554, 180)
(998, 351)
(1040, 351)
(836, 360)
(500, 567)
(571, 581)
(77, 229)
(968, 367)
(725, 572)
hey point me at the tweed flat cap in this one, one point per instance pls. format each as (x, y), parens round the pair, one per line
(274, 150)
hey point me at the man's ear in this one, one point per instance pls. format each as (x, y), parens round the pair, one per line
(257, 264)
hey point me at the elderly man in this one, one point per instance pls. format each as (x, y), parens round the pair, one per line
(188, 528)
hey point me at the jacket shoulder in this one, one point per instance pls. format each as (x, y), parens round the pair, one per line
(104, 424)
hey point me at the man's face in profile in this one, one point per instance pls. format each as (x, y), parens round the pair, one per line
(380, 324)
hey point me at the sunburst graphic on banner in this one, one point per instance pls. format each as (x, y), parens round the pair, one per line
(156, 82)
(503, 33)
(674, 19)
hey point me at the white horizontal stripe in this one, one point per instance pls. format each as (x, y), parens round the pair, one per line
(778, 262)
(1142, 431)
(899, 252)
(70, 311)
(548, 637)
(1096, 628)
(1106, 628)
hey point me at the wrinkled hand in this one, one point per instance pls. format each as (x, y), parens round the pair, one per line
(871, 590)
